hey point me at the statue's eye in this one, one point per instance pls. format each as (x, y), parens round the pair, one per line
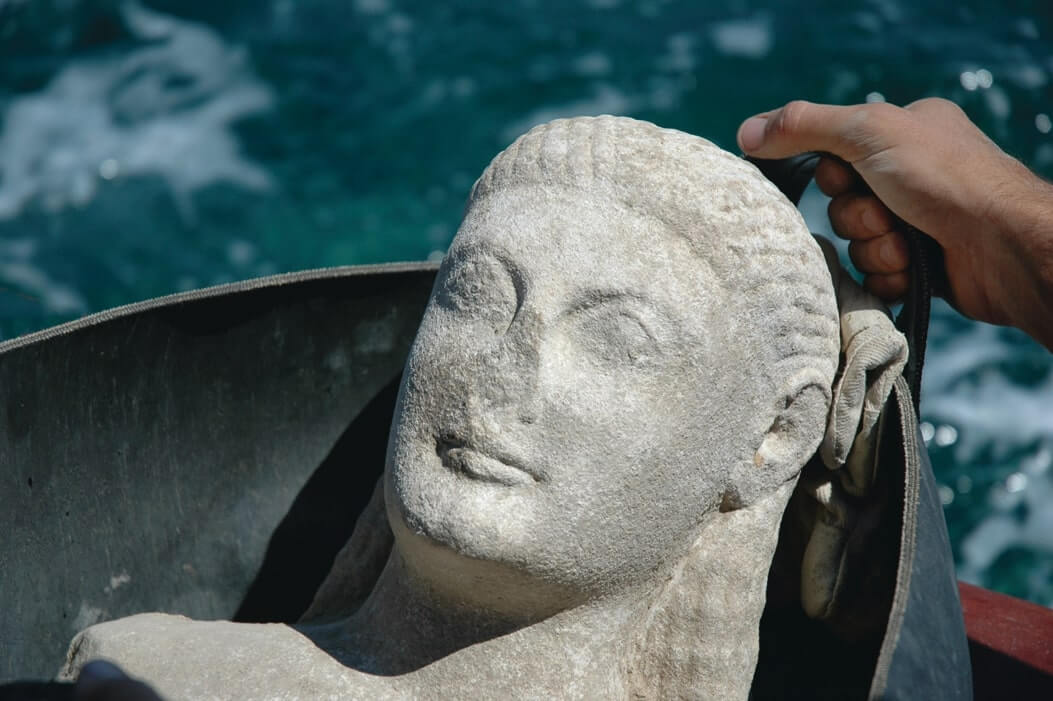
(480, 288)
(614, 334)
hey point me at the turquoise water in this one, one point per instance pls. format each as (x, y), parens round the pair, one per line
(159, 146)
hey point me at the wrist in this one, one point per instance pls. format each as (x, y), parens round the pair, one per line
(1024, 220)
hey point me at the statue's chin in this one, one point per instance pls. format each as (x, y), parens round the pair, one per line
(431, 506)
(465, 518)
(478, 541)
(469, 569)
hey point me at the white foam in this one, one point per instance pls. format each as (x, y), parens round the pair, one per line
(1027, 75)
(372, 7)
(998, 103)
(748, 38)
(890, 10)
(964, 387)
(240, 252)
(55, 297)
(1005, 529)
(164, 109)
(680, 53)
(1027, 28)
(592, 64)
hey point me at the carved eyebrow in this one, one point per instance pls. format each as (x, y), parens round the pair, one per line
(590, 298)
(487, 249)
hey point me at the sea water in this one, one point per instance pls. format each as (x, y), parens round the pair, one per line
(155, 146)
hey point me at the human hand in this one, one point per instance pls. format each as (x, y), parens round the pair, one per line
(928, 165)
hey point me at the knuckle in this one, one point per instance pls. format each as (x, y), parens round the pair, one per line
(938, 105)
(874, 117)
(789, 119)
(884, 111)
(868, 128)
(844, 210)
(836, 211)
(864, 253)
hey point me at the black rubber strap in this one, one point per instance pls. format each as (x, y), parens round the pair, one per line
(791, 175)
(926, 276)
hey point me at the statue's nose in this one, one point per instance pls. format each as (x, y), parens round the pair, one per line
(507, 377)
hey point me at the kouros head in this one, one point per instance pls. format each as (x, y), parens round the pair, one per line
(633, 335)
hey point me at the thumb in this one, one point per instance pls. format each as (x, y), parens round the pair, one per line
(851, 133)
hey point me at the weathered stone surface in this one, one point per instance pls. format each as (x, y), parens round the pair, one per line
(626, 361)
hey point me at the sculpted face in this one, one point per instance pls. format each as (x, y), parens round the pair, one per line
(626, 360)
(558, 411)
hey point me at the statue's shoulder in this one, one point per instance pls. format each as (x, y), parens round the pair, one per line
(183, 658)
(124, 640)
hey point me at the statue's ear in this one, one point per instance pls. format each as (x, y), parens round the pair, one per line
(798, 421)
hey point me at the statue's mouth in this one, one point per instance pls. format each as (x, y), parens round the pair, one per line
(479, 464)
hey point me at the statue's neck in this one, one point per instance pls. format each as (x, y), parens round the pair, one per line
(404, 629)
(692, 633)
(404, 624)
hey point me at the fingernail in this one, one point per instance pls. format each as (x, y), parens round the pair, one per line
(751, 133)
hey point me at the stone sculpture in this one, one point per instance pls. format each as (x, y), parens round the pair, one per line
(627, 358)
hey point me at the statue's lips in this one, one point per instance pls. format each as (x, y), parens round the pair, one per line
(475, 464)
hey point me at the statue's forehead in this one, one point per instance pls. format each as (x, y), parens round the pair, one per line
(566, 249)
(572, 232)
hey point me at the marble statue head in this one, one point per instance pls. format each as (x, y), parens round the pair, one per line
(627, 359)
(625, 363)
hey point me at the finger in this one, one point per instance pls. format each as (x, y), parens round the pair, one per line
(100, 679)
(883, 255)
(116, 689)
(888, 287)
(851, 133)
(856, 216)
(834, 176)
(937, 108)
